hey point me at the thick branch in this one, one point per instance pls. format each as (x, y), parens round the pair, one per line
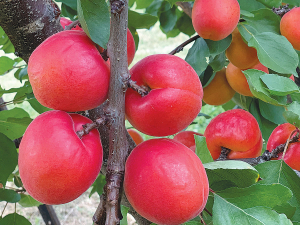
(28, 23)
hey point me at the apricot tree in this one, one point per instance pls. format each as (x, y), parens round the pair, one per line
(253, 190)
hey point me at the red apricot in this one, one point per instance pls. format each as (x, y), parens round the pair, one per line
(290, 27)
(236, 130)
(187, 138)
(68, 73)
(165, 182)
(279, 136)
(215, 19)
(174, 99)
(136, 137)
(55, 165)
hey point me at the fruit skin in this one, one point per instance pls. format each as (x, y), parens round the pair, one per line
(136, 137)
(165, 182)
(187, 138)
(55, 165)
(175, 98)
(239, 53)
(237, 79)
(237, 130)
(290, 27)
(68, 73)
(215, 19)
(218, 91)
(279, 136)
(65, 22)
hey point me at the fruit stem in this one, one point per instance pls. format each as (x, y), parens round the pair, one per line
(86, 128)
(281, 10)
(142, 90)
(71, 25)
(180, 47)
(224, 153)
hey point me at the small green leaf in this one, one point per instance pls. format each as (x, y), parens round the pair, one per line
(292, 115)
(140, 20)
(184, 24)
(9, 196)
(217, 62)
(202, 150)
(14, 219)
(124, 211)
(5, 64)
(271, 112)
(217, 47)
(231, 173)
(70, 3)
(95, 20)
(141, 4)
(28, 201)
(168, 20)
(8, 158)
(67, 11)
(98, 185)
(197, 55)
(14, 122)
(278, 85)
(37, 106)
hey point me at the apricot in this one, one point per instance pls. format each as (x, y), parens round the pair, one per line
(187, 138)
(215, 19)
(239, 53)
(237, 79)
(67, 72)
(279, 136)
(174, 99)
(236, 130)
(290, 27)
(165, 182)
(218, 91)
(55, 165)
(136, 137)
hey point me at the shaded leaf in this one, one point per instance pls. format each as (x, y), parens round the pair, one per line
(292, 115)
(28, 201)
(217, 47)
(5, 64)
(9, 196)
(202, 150)
(140, 20)
(14, 219)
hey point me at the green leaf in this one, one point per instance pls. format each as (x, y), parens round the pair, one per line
(217, 62)
(227, 214)
(271, 112)
(217, 47)
(277, 171)
(98, 185)
(250, 5)
(9, 196)
(172, 2)
(5, 64)
(124, 211)
(292, 115)
(140, 20)
(14, 219)
(278, 85)
(28, 201)
(18, 181)
(168, 20)
(21, 74)
(67, 11)
(202, 150)
(197, 54)
(257, 195)
(270, 52)
(8, 158)
(94, 18)
(271, 3)
(70, 3)
(231, 173)
(141, 4)
(258, 88)
(263, 20)
(14, 122)
(154, 8)
(184, 24)
(37, 106)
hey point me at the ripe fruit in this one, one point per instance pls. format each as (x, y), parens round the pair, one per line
(290, 27)
(279, 136)
(65, 22)
(215, 19)
(237, 130)
(136, 137)
(237, 79)
(174, 100)
(165, 182)
(68, 73)
(55, 165)
(218, 91)
(187, 138)
(239, 53)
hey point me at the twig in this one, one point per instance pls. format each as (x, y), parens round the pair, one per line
(71, 25)
(180, 47)
(206, 210)
(281, 10)
(142, 90)
(201, 218)
(186, 7)
(86, 128)
(4, 209)
(224, 153)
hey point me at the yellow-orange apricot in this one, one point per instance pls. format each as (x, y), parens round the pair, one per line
(218, 91)
(239, 53)
(237, 79)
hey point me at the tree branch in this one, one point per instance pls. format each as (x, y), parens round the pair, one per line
(186, 7)
(180, 47)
